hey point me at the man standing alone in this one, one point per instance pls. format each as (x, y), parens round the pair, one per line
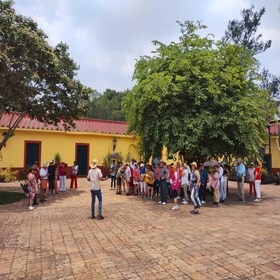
(94, 177)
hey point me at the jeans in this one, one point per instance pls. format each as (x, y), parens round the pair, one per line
(202, 191)
(163, 191)
(113, 181)
(157, 183)
(194, 196)
(99, 196)
(222, 190)
(240, 188)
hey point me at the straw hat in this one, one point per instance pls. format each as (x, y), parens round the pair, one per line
(194, 164)
(142, 165)
(45, 164)
(94, 163)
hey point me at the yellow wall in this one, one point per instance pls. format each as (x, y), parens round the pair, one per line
(64, 143)
(275, 151)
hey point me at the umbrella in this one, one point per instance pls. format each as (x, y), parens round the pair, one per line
(211, 163)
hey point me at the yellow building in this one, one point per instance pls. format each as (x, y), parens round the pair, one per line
(272, 148)
(36, 141)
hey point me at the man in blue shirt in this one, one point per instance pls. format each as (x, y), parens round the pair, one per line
(240, 173)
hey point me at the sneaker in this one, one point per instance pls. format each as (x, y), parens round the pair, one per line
(222, 201)
(100, 217)
(203, 202)
(185, 202)
(163, 203)
(160, 202)
(178, 197)
(257, 200)
(93, 217)
(194, 212)
(31, 208)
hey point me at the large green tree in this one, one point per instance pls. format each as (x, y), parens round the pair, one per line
(35, 78)
(106, 106)
(198, 97)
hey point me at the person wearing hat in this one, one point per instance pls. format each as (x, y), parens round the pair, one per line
(240, 173)
(194, 184)
(251, 179)
(94, 177)
(51, 171)
(74, 175)
(43, 180)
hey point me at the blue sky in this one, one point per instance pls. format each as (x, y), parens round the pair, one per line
(105, 37)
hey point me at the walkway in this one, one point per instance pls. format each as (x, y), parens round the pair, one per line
(140, 239)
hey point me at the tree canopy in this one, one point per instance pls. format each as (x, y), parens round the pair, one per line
(106, 106)
(198, 97)
(36, 78)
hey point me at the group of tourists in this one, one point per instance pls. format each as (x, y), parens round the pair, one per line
(46, 177)
(179, 182)
(182, 181)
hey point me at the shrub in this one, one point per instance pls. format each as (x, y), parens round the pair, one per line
(8, 175)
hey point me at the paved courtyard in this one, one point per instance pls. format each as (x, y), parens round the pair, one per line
(140, 239)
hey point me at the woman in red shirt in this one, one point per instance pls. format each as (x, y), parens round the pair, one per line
(258, 173)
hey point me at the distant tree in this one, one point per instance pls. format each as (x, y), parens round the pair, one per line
(245, 31)
(272, 83)
(199, 98)
(35, 78)
(106, 106)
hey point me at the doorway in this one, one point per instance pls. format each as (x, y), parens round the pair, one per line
(82, 158)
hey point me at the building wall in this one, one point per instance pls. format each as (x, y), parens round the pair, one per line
(64, 143)
(275, 153)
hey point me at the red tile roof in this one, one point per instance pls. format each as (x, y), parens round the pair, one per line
(82, 125)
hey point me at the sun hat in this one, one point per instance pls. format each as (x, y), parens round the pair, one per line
(45, 164)
(51, 161)
(194, 164)
(94, 163)
(142, 165)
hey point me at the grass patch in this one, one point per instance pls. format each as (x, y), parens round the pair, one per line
(10, 197)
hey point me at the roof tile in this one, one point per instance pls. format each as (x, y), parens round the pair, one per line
(82, 125)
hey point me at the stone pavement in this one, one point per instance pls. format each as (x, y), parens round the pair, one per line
(140, 239)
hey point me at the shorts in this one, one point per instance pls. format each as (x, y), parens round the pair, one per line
(175, 193)
(44, 184)
(150, 185)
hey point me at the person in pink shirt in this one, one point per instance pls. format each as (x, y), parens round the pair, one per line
(175, 187)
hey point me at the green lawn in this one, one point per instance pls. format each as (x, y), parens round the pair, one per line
(10, 197)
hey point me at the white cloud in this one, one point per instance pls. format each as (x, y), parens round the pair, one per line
(106, 37)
